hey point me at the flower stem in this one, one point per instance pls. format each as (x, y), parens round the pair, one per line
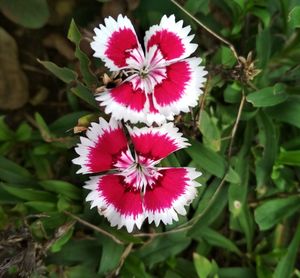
(234, 129)
(97, 229)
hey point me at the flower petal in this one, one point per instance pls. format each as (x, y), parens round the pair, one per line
(114, 41)
(126, 103)
(101, 148)
(174, 190)
(181, 89)
(156, 143)
(171, 38)
(122, 207)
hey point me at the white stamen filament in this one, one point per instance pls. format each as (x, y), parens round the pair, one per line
(146, 72)
(139, 173)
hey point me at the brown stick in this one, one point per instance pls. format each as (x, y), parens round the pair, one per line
(97, 229)
(230, 45)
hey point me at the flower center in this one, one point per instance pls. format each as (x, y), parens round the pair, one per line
(139, 173)
(146, 70)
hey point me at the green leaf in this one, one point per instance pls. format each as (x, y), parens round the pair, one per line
(43, 127)
(211, 133)
(28, 194)
(287, 112)
(285, 267)
(85, 94)
(207, 159)
(11, 172)
(62, 187)
(5, 132)
(197, 6)
(161, 248)
(134, 267)
(29, 13)
(241, 3)
(291, 158)
(62, 240)
(269, 140)
(294, 17)
(185, 267)
(210, 207)
(74, 35)
(232, 93)
(111, 255)
(170, 160)
(263, 14)
(263, 47)
(23, 132)
(271, 212)
(41, 206)
(203, 266)
(64, 74)
(6, 198)
(214, 238)
(78, 271)
(232, 176)
(237, 197)
(122, 235)
(83, 251)
(268, 96)
(225, 56)
(67, 122)
(236, 272)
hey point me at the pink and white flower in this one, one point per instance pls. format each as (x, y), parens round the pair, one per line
(133, 188)
(161, 81)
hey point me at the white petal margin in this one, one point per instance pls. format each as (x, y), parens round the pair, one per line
(178, 206)
(108, 210)
(170, 24)
(103, 34)
(192, 90)
(95, 131)
(167, 129)
(121, 112)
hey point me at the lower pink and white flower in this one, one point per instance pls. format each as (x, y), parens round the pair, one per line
(133, 188)
(161, 81)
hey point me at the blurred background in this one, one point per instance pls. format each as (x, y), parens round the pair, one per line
(244, 134)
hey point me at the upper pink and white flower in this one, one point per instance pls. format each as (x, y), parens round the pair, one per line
(133, 188)
(161, 81)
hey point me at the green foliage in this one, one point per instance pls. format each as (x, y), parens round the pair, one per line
(29, 13)
(244, 137)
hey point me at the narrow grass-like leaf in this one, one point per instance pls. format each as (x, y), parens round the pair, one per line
(11, 172)
(41, 206)
(75, 36)
(271, 212)
(64, 74)
(207, 159)
(161, 248)
(269, 96)
(286, 265)
(287, 112)
(291, 158)
(294, 17)
(61, 187)
(217, 239)
(85, 94)
(28, 194)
